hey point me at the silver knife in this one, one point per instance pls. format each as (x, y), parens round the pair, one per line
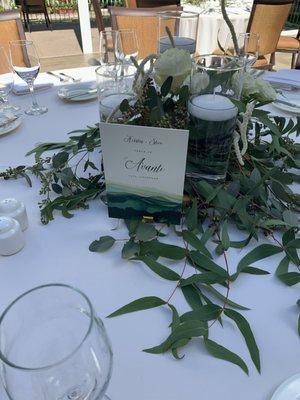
(287, 103)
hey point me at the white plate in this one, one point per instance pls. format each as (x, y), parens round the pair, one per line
(289, 389)
(286, 108)
(79, 90)
(11, 125)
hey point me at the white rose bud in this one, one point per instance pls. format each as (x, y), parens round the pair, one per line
(173, 62)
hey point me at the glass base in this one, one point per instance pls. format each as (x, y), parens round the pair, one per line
(36, 111)
(105, 397)
(9, 108)
(198, 176)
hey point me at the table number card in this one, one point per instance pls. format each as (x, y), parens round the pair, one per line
(144, 171)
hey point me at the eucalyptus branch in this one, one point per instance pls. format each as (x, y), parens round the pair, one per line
(230, 26)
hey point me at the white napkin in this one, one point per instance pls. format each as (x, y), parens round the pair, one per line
(284, 76)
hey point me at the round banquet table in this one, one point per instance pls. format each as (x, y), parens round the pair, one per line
(211, 27)
(59, 252)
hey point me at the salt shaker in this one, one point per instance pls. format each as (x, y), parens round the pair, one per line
(11, 236)
(15, 209)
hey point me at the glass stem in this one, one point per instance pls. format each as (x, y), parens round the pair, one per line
(34, 102)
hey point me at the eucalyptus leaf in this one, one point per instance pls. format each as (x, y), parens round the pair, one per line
(246, 331)
(145, 232)
(185, 330)
(218, 351)
(143, 303)
(103, 244)
(159, 269)
(257, 254)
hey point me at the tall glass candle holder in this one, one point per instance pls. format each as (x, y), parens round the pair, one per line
(183, 26)
(213, 116)
(114, 84)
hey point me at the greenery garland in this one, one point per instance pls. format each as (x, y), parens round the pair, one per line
(255, 198)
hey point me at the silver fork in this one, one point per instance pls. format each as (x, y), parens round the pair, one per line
(58, 77)
(70, 77)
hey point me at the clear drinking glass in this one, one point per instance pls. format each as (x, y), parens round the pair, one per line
(248, 44)
(6, 82)
(54, 347)
(213, 116)
(183, 26)
(126, 46)
(114, 84)
(108, 41)
(26, 64)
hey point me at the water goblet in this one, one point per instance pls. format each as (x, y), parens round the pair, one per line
(248, 47)
(26, 64)
(6, 82)
(54, 347)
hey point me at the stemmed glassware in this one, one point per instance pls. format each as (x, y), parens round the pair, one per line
(6, 82)
(126, 46)
(248, 46)
(54, 347)
(26, 64)
(118, 46)
(107, 52)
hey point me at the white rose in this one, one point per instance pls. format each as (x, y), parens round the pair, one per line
(199, 81)
(258, 88)
(173, 62)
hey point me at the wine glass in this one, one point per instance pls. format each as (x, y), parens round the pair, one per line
(54, 347)
(108, 47)
(126, 46)
(6, 83)
(248, 47)
(26, 64)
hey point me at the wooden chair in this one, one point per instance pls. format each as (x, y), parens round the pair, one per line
(11, 28)
(150, 3)
(267, 19)
(34, 7)
(98, 15)
(289, 44)
(144, 22)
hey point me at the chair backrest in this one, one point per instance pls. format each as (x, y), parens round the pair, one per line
(98, 15)
(150, 3)
(267, 18)
(144, 22)
(11, 28)
(34, 3)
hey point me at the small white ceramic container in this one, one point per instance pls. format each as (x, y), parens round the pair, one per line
(12, 238)
(15, 209)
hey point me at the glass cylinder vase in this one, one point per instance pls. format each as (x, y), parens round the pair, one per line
(216, 81)
(182, 26)
(114, 84)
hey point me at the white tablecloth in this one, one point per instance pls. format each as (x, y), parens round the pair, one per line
(212, 27)
(59, 252)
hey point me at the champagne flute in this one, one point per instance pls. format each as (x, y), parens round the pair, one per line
(26, 64)
(6, 82)
(248, 47)
(126, 46)
(108, 47)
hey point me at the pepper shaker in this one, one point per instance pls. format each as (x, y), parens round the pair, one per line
(15, 209)
(11, 236)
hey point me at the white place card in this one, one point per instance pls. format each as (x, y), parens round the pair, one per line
(144, 171)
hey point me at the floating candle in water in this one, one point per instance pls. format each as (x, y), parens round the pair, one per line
(180, 42)
(108, 103)
(212, 107)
